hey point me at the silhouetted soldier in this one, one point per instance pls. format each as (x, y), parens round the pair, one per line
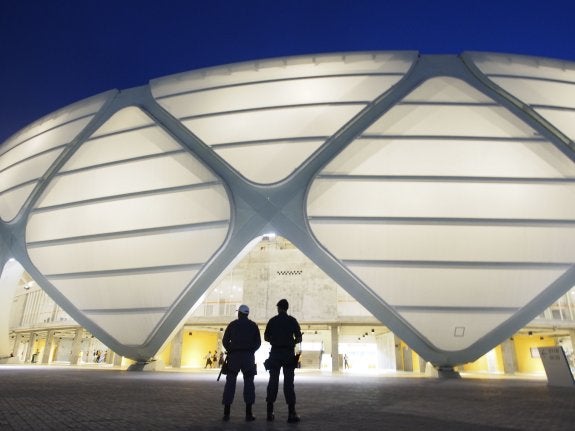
(241, 340)
(283, 333)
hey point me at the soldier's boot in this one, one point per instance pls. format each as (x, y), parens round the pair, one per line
(249, 415)
(292, 415)
(270, 416)
(227, 408)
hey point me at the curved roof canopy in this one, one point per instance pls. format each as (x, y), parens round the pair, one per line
(436, 190)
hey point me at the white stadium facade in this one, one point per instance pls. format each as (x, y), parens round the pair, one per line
(437, 191)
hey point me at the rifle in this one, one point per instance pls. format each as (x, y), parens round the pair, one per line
(224, 369)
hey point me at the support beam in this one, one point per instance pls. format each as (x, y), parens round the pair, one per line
(335, 348)
(509, 356)
(47, 355)
(176, 349)
(30, 350)
(76, 346)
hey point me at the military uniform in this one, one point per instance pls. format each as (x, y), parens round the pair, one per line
(241, 340)
(283, 333)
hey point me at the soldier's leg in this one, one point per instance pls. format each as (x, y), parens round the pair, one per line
(230, 388)
(289, 391)
(272, 390)
(249, 389)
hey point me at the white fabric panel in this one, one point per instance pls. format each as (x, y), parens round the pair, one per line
(537, 92)
(141, 175)
(27, 171)
(11, 202)
(446, 89)
(456, 287)
(518, 65)
(285, 68)
(271, 162)
(447, 243)
(131, 329)
(448, 120)
(48, 140)
(564, 121)
(451, 158)
(171, 209)
(125, 291)
(125, 119)
(122, 146)
(279, 93)
(439, 328)
(153, 250)
(77, 110)
(306, 121)
(10, 274)
(441, 199)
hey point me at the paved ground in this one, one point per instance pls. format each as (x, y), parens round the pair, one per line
(60, 398)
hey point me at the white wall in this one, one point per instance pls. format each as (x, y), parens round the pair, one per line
(8, 282)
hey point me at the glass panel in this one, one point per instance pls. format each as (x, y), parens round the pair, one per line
(441, 199)
(438, 120)
(171, 209)
(279, 93)
(285, 68)
(141, 175)
(125, 291)
(536, 92)
(518, 65)
(446, 89)
(173, 248)
(77, 110)
(122, 146)
(304, 122)
(451, 158)
(12, 201)
(51, 139)
(271, 162)
(125, 119)
(459, 287)
(441, 332)
(130, 329)
(27, 171)
(563, 120)
(447, 242)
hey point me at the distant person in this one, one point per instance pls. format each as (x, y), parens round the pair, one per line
(221, 360)
(215, 359)
(345, 361)
(208, 359)
(241, 340)
(283, 333)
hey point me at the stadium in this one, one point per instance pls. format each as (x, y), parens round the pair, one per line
(423, 201)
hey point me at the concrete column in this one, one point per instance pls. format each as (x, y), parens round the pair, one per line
(117, 360)
(176, 350)
(398, 354)
(509, 357)
(16, 347)
(11, 272)
(89, 352)
(422, 364)
(109, 357)
(48, 347)
(572, 335)
(30, 350)
(76, 346)
(335, 349)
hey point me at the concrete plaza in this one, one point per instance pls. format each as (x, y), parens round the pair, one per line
(70, 398)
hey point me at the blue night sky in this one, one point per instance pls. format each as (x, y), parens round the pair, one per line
(56, 52)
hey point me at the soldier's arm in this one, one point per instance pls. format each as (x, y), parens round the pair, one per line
(226, 340)
(297, 333)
